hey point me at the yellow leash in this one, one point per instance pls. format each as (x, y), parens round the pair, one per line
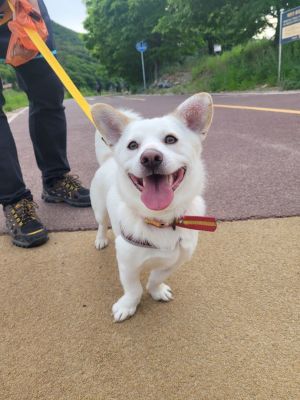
(58, 69)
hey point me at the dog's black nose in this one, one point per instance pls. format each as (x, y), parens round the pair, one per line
(151, 158)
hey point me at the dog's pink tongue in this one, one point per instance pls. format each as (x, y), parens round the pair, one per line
(157, 193)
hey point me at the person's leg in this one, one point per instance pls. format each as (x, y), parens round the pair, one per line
(48, 128)
(47, 121)
(47, 124)
(12, 187)
(22, 223)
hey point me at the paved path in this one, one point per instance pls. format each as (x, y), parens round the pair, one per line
(252, 157)
(232, 331)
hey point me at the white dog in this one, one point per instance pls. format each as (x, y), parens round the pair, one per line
(151, 174)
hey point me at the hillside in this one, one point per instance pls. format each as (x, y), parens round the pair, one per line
(73, 55)
(75, 58)
(252, 65)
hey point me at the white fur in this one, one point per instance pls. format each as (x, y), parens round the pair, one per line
(117, 201)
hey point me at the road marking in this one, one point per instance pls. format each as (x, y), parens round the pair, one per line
(243, 94)
(276, 110)
(132, 98)
(16, 115)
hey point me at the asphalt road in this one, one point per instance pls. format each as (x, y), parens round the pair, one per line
(252, 156)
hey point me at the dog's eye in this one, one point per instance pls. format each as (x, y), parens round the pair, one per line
(170, 139)
(133, 145)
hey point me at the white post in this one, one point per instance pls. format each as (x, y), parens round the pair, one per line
(280, 48)
(143, 67)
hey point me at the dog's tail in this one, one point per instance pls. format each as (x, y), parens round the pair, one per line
(103, 152)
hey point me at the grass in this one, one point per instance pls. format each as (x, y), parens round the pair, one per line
(14, 100)
(249, 66)
(242, 68)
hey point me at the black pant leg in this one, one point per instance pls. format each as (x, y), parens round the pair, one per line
(47, 121)
(12, 187)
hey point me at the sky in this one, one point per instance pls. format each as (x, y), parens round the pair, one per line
(269, 32)
(69, 13)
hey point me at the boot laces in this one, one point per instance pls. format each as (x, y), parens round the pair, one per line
(24, 211)
(71, 182)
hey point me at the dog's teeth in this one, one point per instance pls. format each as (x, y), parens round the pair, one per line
(171, 179)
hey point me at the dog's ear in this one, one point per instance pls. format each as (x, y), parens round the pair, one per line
(196, 113)
(109, 121)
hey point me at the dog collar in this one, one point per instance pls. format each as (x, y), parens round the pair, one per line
(208, 224)
(140, 243)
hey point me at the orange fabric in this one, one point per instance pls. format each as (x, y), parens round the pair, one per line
(26, 15)
(6, 13)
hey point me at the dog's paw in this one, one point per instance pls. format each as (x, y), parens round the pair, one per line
(162, 292)
(101, 243)
(123, 309)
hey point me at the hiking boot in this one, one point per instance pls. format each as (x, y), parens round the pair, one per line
(68, 190)
(23, 224)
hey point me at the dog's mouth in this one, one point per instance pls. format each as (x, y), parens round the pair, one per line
(158, 190)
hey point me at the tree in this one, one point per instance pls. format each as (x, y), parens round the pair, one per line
(273, 7)
(114, 27)
(172, 28)
(227, 23)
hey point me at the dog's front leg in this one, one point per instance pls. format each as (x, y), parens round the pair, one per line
(156, 286)
(129, 271)
(126, 306)
(100, 211)
(101, 238)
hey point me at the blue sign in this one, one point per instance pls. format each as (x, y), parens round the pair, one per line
(290, 29)
(141, 46)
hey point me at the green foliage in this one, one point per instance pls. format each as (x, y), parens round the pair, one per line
(291, 66)
(7, 74)
(227, 23)
(174, 29)
(83, 69)
(246, 67)
(115, 26)
(273, 7)
(14, 99)
(74, 57)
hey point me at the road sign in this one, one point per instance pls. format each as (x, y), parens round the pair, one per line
(141, 46)
(290, 28)
(289, 31)
(217, 49)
